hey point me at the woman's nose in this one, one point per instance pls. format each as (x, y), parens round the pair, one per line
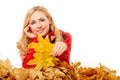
(39, 25)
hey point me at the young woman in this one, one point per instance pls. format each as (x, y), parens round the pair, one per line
(39, 21)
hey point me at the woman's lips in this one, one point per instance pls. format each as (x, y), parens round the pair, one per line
(40, 31)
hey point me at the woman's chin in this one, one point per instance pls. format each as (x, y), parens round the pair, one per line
(41, 34)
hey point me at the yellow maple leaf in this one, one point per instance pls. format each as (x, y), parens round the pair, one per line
(42, 56)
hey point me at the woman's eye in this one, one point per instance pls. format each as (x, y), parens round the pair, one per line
(32, 23)
(42, 19)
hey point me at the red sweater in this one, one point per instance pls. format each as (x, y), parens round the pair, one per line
(65, 56)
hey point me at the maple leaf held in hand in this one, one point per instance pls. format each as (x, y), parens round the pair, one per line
(42, 56)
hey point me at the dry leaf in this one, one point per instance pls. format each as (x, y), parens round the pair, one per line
(42, 56)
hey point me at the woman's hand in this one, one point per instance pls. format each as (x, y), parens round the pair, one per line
(28, 32)
(59, 48)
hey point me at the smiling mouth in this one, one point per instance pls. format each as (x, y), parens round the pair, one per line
(41, 30)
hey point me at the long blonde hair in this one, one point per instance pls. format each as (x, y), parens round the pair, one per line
(23, 42)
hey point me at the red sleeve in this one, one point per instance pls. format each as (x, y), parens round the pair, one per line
(29, 56)
(66, 54)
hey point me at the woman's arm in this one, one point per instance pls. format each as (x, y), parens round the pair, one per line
(65, 56)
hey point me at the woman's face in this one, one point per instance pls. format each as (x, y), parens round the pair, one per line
(39, 23)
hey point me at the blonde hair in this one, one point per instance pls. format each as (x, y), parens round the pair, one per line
(24, 40)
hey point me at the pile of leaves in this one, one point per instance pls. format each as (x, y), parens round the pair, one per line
(62, 71)
(50, 68)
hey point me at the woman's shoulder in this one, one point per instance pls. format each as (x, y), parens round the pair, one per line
(65, 34)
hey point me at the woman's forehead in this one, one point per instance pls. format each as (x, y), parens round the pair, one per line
(38, 14)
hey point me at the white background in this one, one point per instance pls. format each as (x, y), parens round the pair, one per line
(93, 24)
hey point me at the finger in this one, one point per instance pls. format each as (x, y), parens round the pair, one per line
(28, 32)
(55, 49)
(26, 29)
(61, 49)
(58, 49)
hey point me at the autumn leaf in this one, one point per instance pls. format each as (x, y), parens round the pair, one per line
(42, 56)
